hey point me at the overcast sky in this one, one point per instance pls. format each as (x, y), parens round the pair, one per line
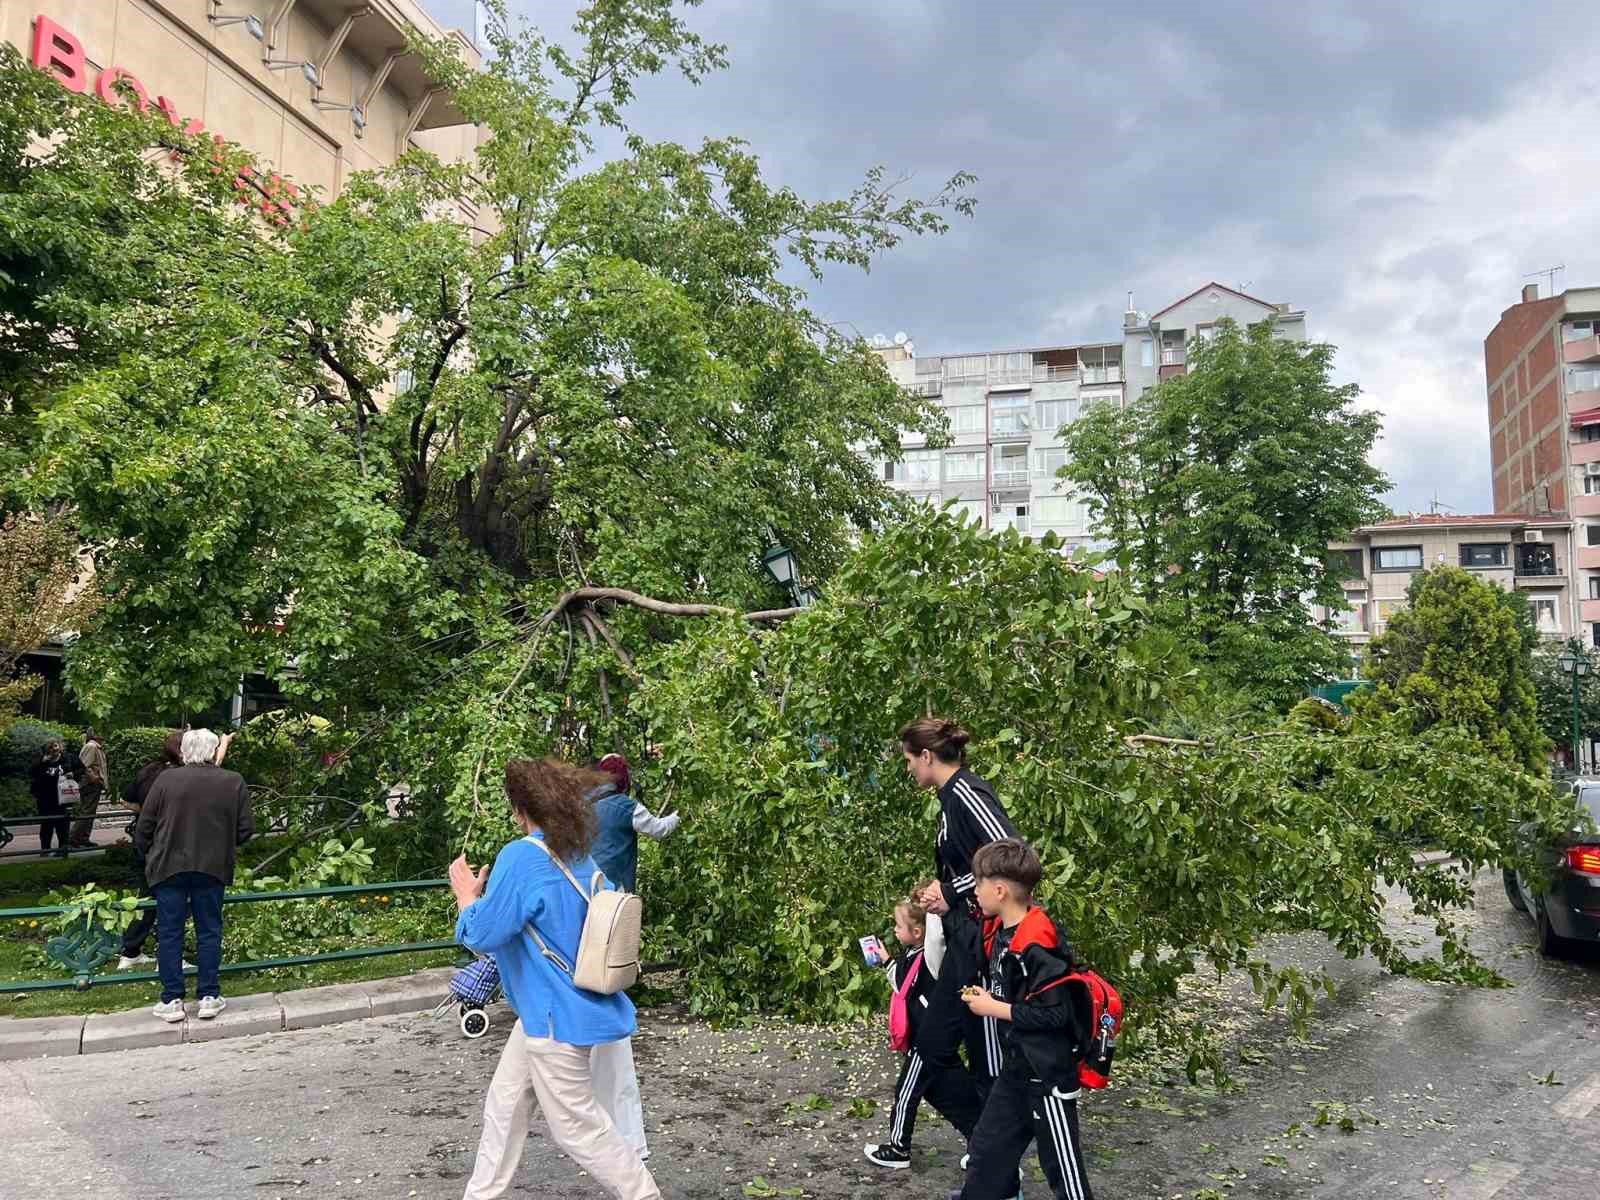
(1393, 170)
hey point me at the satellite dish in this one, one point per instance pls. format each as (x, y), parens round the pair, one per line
(900, 339)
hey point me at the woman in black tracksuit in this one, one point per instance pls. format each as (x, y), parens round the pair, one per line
(970, 816)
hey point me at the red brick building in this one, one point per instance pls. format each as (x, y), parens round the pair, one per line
(1542, 365)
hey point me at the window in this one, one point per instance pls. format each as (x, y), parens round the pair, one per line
(1592, 534)
(968, 366)
(1589, 433)
(1101, 364)
(1053, 414)
(1011, 367)
(1485, 554)
(966, 464)
(966, 419)
(969, 511)
(919, 466)
(1093, 400)
(1010, 466)
(1382, 610)
(1349, 620)
(1067, 514)
(1012, 516)
(1345, 564)
(1544, 615)
(1594, 633)
(1594, 587)
(1575, 331)
(1010, 414)
(1583, 379)
(1397, 558)
(1047, 462)
(1591, 483)
(932, 499)
(404, 381)
(1146, 352)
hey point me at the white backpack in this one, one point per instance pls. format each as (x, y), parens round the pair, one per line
(608, 947)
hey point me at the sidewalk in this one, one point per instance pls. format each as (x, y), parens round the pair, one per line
(245, 1016)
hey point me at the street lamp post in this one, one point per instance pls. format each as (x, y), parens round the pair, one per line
(784, 568)
(1576, 663)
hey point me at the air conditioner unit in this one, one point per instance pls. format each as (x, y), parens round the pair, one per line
(1591, 468)
(1533, 535)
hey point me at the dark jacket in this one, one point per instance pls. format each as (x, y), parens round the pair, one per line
(934, 1032)
(42, 781)
(969, 817)
(193, 819)
(1032, 978)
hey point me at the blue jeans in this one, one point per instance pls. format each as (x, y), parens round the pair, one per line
(186, 893)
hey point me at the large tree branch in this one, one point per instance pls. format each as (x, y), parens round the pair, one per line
(588, 595)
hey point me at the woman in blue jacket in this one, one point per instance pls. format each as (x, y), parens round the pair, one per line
(558, 1023)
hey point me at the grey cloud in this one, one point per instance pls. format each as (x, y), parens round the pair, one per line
(1357, 160)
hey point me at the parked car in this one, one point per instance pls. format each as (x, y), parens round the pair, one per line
(1568, 908)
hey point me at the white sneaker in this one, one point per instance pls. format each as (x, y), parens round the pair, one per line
(189, 966)
(138, 960)
(170, 1011)
(210, 1006)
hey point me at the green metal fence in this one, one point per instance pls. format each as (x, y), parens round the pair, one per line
(84, 957)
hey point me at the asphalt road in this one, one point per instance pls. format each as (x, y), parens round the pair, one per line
(1445, 1092)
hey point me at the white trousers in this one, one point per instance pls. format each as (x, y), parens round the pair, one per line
(616, 1086)
(559, 1075)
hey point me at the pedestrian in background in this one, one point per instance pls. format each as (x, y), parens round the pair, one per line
(45, 782)
(93, 780)
(558, 1023)
(195, 818)
(622, 819)
(133, 798)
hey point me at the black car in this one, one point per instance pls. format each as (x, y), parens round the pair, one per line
(1569, 911)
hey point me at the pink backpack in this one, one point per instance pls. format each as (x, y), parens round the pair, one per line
(899, 1010)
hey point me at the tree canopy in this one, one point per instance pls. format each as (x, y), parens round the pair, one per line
(1460, 654)
(1221, 489)
(334, 439)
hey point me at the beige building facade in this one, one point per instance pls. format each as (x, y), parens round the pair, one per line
(1529, 554)
(315, 90)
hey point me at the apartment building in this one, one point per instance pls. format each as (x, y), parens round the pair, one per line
(1542, 368)
(1007, 407)
(1529, 554)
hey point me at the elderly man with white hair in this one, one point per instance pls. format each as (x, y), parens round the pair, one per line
(194, 818)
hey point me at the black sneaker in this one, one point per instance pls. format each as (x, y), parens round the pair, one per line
(888, 1155)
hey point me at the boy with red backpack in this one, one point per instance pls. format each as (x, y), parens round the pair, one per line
(1058, 1025)
(926, 1035)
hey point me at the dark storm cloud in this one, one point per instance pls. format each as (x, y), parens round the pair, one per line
(1392, 169)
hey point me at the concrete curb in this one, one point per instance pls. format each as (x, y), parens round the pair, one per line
(245, 1016)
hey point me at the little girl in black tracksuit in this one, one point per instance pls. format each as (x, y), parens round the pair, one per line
(932, 1069)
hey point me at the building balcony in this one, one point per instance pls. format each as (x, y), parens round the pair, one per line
(1581, 451)
(1527, 580)
(1172, 371)
(1589, 610)
(1015, 377)
(1583, 400)
(1589, 558)
(1172, 356)
(928, 387)
(1102, 374)
(1047, 374)
(1581, 349)
(1011, 431)
(1004, 480)
(1585, 505)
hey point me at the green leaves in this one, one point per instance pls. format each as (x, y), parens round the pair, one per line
(1221, 488)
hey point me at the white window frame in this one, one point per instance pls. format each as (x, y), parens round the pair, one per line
(1010, 415)
(979, 465)
(966, 418)
(1053, 415)
(1043, 456)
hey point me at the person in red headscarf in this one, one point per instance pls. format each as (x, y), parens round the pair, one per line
(622, 820)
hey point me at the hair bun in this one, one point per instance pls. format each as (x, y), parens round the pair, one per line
(953, 733)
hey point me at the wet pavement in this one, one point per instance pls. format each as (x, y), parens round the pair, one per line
(1402, 1090)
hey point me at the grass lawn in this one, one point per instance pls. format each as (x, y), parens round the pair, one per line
(24, 884)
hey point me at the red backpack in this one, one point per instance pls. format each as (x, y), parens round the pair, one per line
(899, 1009)
(1099, 1011)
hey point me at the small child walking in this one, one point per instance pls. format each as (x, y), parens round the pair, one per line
(1035, 1096)
(932, 1069)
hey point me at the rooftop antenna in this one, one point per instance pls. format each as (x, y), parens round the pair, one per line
(1549, 277)
(1436, 505)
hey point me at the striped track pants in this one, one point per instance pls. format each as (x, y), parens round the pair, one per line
(943, 1083)
(1020, 1110)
